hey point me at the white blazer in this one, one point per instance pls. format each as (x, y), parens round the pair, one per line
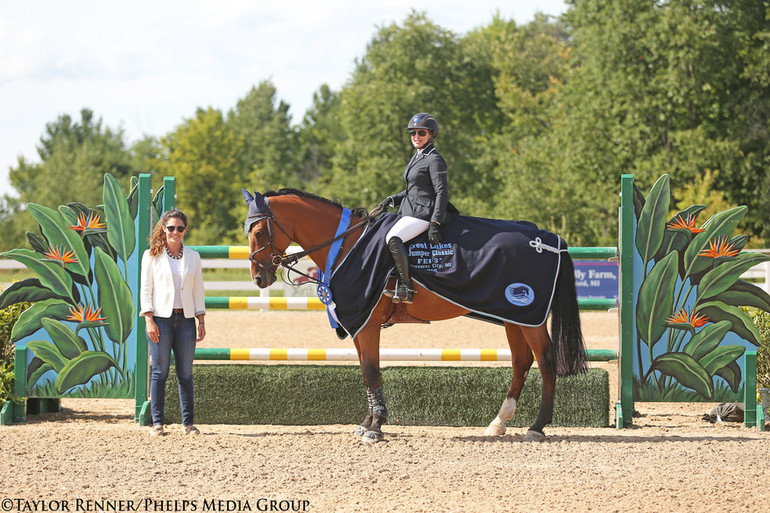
(157, 285)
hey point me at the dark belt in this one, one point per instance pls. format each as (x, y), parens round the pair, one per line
(178, 310)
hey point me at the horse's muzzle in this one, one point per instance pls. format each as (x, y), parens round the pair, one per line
(262, 275)
(264, 279)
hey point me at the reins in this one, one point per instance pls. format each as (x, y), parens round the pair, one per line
(290, 261)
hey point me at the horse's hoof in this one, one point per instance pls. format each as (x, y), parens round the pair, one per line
(372, 437)
(360, 430)
(534, 436)
(495, 430)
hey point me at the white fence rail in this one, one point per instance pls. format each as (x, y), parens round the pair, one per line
(759, 272)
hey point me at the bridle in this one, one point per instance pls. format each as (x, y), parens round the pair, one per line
(276, 258)
(289, 261)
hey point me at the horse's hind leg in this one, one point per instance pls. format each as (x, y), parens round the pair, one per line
(521, 361)
(540, 343)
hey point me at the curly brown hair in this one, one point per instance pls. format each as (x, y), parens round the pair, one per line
(158, 237)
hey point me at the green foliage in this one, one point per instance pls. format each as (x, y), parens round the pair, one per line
(664, 86)
(13, 222)
(267, 157)
(650, 392)
(93, 389)
(74, 156)
(537, 122)
(318, 136)
(762, 321)
(334, 394)
(414, 67)
(203, 156)
(9, 314)
(6, 383)
(530, 66)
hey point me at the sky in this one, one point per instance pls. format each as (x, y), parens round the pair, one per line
(146, 66)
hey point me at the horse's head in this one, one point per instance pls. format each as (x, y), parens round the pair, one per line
(264, 253)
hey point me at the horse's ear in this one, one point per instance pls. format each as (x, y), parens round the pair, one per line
(260, 202)
(247, 195)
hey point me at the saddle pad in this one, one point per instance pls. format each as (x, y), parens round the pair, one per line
(505, 270)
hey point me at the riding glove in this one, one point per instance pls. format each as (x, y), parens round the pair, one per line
(384, 204)
(434, 235)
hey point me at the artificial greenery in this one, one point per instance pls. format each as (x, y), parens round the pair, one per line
(689, 301)
(334, 394)
(80, 293)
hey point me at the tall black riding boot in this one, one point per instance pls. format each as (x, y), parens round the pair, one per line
(404, 292)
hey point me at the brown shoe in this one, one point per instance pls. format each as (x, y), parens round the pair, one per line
(157, 430)
(191, 430)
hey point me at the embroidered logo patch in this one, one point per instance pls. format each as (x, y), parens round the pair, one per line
(519, 294)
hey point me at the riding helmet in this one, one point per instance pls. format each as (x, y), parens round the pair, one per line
(423, 120)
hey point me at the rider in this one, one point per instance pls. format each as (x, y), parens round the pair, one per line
(422, 205)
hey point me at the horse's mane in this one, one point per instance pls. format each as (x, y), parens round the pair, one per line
(359, 211)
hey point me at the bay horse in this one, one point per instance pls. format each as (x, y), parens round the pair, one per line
(277, 218)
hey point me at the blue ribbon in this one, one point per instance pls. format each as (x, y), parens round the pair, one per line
(324, 292)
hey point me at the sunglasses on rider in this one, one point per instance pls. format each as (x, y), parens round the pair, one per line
(180, 229)
(421, 133)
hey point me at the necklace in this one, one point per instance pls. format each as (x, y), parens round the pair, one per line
(181, 252)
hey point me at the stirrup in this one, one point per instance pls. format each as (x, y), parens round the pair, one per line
(402, 293)
(405, 294)
(391, 294)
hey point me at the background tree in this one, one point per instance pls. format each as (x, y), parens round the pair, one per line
(14, 223)
(268, 157)
(537, 122)
(530, 63)
(203, 156)
(74, 157)
(654, 91)
(417, 67)
(745, 180)
(319, 134)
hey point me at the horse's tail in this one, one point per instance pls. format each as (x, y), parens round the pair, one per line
(566, 335)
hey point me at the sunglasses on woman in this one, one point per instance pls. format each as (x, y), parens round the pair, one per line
(180, 229)
(421, 133)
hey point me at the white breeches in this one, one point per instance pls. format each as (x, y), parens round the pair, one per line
(407, 228)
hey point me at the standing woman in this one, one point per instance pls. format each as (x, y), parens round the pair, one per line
(171, 296)
(422, 205)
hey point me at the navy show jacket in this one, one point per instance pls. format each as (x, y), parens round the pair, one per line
(426, 195)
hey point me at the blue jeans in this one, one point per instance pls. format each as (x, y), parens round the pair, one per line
(178, 333)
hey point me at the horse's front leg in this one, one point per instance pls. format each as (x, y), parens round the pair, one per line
(367, 422)
(368, 343)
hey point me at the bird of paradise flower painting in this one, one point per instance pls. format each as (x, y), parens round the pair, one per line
(82, 309)
(691, 325)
